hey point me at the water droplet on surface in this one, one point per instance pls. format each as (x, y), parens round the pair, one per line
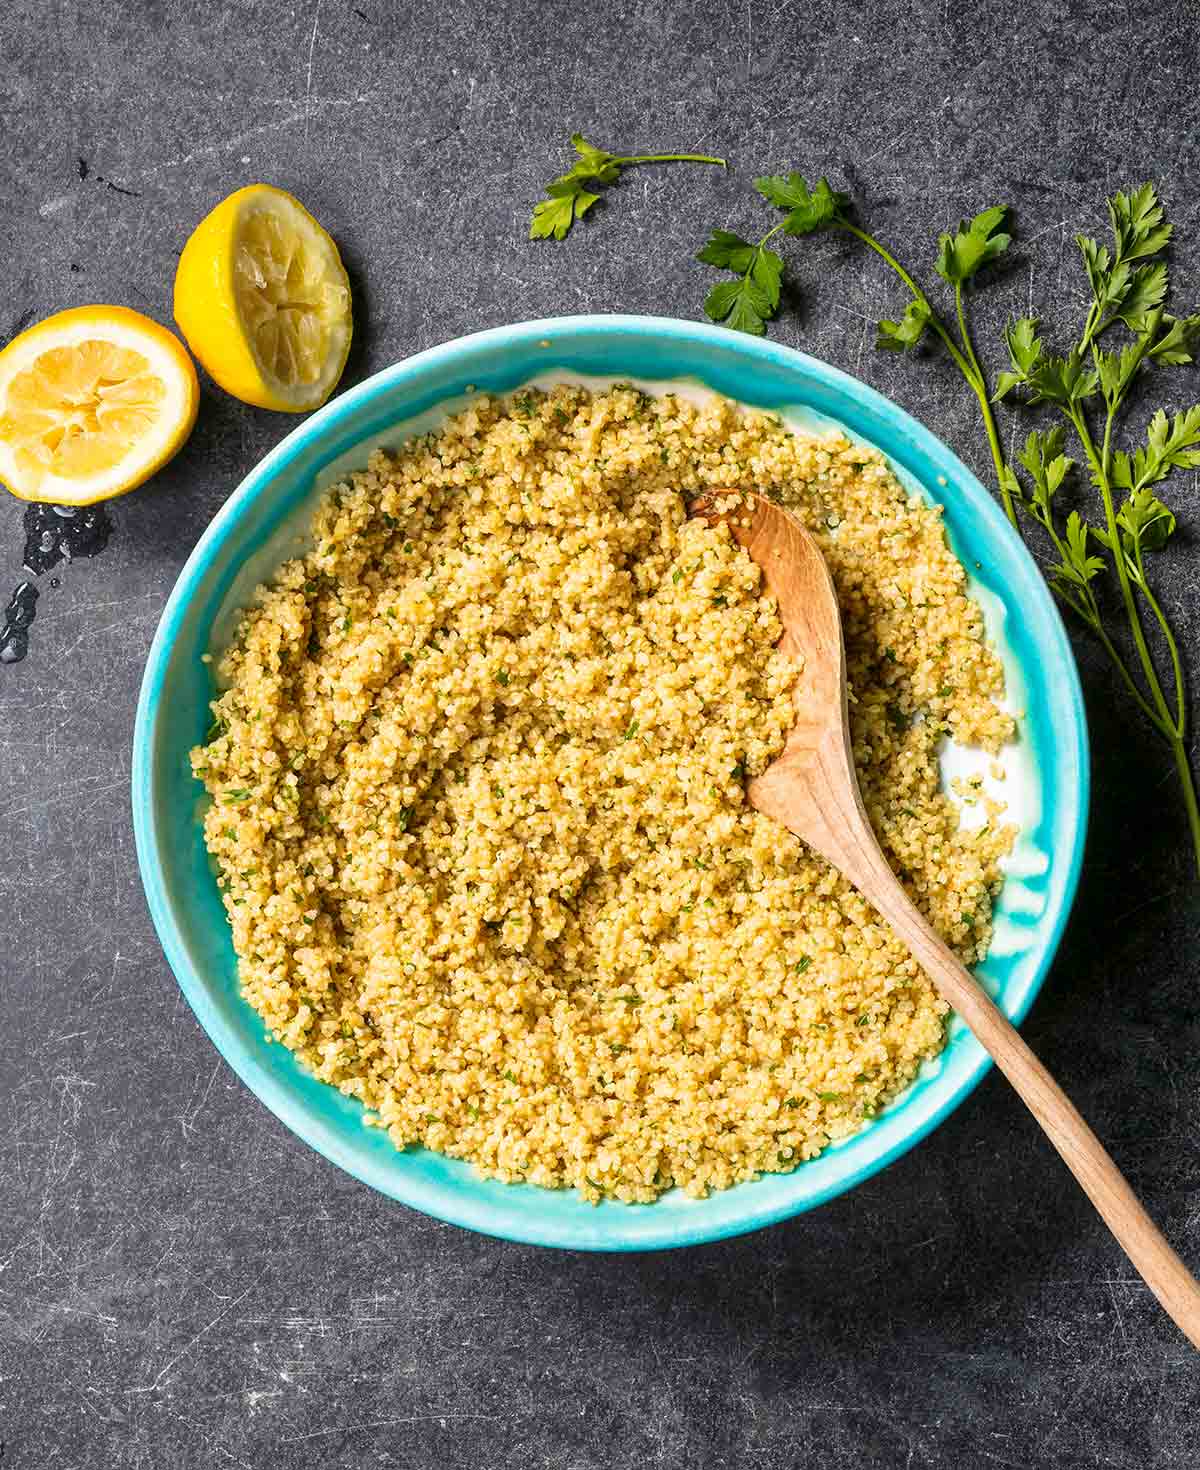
(55, 533)
(14, 630)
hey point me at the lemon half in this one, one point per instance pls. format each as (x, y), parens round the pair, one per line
(263, 300)
(92, 402)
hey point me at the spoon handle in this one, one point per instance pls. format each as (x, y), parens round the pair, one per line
(1103, 1183)
(811, 788)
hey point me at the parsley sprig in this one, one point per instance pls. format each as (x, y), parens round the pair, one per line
(572, 194)
(1088, 387)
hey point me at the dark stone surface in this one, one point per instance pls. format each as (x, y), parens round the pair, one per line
(182, 1283)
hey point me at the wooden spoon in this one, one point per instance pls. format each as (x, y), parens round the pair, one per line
(811, 787)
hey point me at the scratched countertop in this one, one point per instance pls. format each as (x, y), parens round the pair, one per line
(185, 1284)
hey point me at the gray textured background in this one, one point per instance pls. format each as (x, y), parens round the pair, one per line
(182, 1283)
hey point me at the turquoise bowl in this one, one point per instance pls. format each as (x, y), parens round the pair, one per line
(245, 537)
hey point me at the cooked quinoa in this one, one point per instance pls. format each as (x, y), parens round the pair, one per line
(478, 807)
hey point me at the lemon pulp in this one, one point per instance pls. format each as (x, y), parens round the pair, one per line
(78, 411)
(291, 308)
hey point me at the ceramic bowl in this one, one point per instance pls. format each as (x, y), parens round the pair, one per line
(263, 520)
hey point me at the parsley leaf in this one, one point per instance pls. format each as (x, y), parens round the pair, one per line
(907, 332)
(1174, 346)
(569, 201)
(807, 210)
(1024, 353)
(747, 303)
(1048, 467)
(1064, 381)
(1147, 522)
(727, 251)
(1122, 291)
(572, 194)
(594, 163)
(1169, 446)
(1138, 226)
(1077, 566)
(973, 246)
(1147, 290)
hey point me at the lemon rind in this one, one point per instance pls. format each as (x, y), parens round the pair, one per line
(206, 308)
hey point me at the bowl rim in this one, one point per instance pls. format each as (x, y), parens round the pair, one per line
(466, 1211)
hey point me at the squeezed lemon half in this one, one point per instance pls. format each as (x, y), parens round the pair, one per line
(92, 402)
(263, 300)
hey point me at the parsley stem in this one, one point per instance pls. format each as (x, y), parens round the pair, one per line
(1163, 726)
(964, 357)
(867, 239)
(980, 386)
(1184, 766)
(1143, 586)
(1098, 461)
(671, 158)
(1090, 327)
(935, 321)
(1088, 611)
